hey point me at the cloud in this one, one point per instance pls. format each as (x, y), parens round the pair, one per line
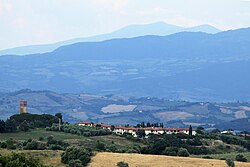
(5, 7)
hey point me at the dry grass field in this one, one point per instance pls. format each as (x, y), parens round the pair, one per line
(47, 157)
(139, 160)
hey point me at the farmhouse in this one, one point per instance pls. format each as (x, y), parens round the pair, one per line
(120, 130)
(86, 124)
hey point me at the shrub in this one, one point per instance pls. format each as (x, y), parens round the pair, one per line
(207, 157)
(122, 164)
(76, 153)
(55, 147)
(172, 151)
(3, 145)
(11, 143)
(33, 145)
(112, 148)
(241, 158)
(16, 160)
(183, 152)
(41, 138)
(230, 163)
(140, 133)
(100, 146)
(47, 129)
(75, 163)
(24, 126)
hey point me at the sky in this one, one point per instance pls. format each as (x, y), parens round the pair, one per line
(29, 22)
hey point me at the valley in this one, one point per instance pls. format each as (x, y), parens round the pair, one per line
(111, 109)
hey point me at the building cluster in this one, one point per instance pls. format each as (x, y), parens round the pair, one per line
(119, 130)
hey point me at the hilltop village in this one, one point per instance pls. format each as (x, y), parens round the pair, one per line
(119, 130)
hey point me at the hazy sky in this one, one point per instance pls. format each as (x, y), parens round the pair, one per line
(25, 22)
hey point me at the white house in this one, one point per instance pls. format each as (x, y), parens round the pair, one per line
(148, 130)
(86, 124)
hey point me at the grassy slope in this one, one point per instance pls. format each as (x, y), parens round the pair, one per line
(139, 160)
(35, 134)
(47, 157)
(228, 155)
(120, 142)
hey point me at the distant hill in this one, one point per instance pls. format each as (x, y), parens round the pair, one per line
(187, 66)
(128, 110)
(159, 28)
(239, 124)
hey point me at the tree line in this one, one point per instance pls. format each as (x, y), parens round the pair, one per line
(26, 121)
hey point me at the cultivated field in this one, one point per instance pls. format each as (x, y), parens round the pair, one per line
(139, 160)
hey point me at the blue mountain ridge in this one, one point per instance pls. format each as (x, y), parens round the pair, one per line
(187, 65)
(158, 28)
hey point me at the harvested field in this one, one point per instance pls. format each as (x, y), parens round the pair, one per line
(139, 160)
(47, 157)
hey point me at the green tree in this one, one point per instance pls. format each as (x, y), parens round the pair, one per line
(100, 146)
(183, 152)
(241, 158)
(2, 126)
(230, 163)
(122, 164)
(11, 143)
(190, 131)
(59, 115)
(75, 163)
(18, 160)
(172, 151)
(76, 153)
(141, 133)
(112, 128)
(215, 131)
(200, 130)
(24, 126)
(10, 126)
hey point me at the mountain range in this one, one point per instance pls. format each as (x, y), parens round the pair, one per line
(159, 28)
(191, 66)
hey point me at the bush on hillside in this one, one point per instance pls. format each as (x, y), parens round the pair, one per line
(16, 160)
(11, 143)
(75, 163)
(24, 126)
(122, 164)
(56, 144)
(35, 145)
(100, 146)
(171, 151)
(3, 145)
(183, 152)
(230, 163)
(76, 154)
(241, 158)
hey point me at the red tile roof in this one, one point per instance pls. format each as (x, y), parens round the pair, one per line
(86, 123)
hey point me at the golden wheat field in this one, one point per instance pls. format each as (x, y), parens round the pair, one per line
(138, 160)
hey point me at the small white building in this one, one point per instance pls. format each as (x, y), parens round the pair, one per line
(86, 124)
(148, 130)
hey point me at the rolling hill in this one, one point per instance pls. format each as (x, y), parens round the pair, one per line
(183, 66)
(112, 109)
